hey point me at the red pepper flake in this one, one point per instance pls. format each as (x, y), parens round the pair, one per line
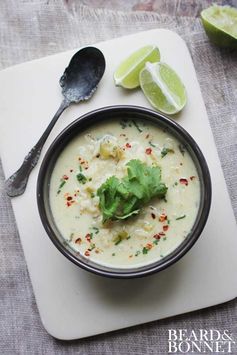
(153, 215)
(192, 178)
(71, 170)
(69, 198)
(87, 253)
(157, 236)
(128, 145)
(183, 181)
(79, 158)
(165, 228)
(130, 256)
(149, 246)
(162, 234)
(78, 241)
(88, 237)
(148, 151)
(162, 217)
(68, 204)
(98, 155)
(147, 136)
(65, 177)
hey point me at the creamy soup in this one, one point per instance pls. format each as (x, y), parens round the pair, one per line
(157, 227)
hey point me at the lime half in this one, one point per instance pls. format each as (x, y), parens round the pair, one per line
(163, 87)
(127, 74)
(220, 24)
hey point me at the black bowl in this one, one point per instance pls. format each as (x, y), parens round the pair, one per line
(78, 126)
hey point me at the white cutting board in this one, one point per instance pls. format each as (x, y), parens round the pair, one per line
(74, 303)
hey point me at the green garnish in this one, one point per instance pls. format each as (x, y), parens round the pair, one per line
(113, 254)
(137, 253)
(128, 237)
(120, 199)
(137, 127)
(96, 229)
(60, 186)
(156, 241)
(166, 151)
(81, 178)
(92, 246)
(181, 217)
(151, 144)
(71, 237)
(80, 168)
(145, 250)
(118, 241)
(123, 123)
(182, 149)
(92, 195)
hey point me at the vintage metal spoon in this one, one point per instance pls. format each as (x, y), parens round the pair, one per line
(79, 81)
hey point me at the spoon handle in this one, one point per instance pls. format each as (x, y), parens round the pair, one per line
(16, 184)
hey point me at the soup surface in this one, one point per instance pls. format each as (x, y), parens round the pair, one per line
(102, 151)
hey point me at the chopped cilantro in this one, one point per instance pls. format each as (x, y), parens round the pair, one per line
(63, 182)
(137, 127)
(71, 237)
(81, 178)
(137, 253)
(92, 246)
(123, 123)
(145, 250)
(181, 217)
(151, 144)
(156, 241)
(120, 199)
(166, 151)
(118, 241)
(96, 229)
(182, 149)
(113, 254)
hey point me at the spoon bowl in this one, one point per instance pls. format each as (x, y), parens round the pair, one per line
(80, 79)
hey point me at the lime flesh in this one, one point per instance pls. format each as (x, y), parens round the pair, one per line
(127, 74)
(163, 87)
(220, 24)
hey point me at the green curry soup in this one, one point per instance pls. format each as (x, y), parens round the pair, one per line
(161, 210)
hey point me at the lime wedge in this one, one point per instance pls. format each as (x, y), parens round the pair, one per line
(127, 74)
(163, 87)
(220, 24)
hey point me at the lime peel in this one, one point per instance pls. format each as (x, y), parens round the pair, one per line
(127, 73)
(156, 78)
(220, 24)
(163, 88)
